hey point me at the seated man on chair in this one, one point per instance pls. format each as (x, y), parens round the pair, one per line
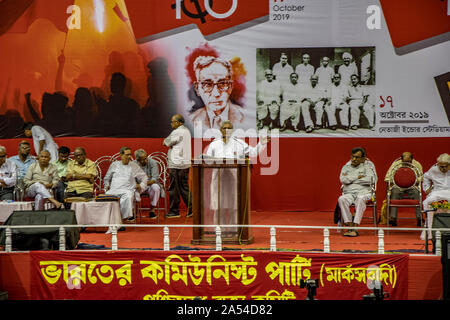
(80, 176)
(357, 177)
(436, 181)
(396, 193)
(23, 160)
(8, 176)
(123, 179)
(150, 167)
(61, 164)
(40, 180)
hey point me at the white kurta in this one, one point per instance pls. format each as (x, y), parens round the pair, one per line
(290, 108)
(324, 74)
(316, 94)
(282, 73)
(8, 173)
(179, 143)
(304, 73)
(225, 179)
(356, 191)
(40, 134)
(347, 71)
(121, 179)
(441, 186)
(356, 95)
(338, 95)
(269, 91)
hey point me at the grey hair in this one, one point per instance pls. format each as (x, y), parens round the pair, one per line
(444, 158)
(42, 151)
(204, 61)
(122, 150)
(226, 122)
(140, 153)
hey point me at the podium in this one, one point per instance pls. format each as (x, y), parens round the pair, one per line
(221, 195)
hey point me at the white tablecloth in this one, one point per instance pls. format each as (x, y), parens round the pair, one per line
(6, 208)
(97, 212)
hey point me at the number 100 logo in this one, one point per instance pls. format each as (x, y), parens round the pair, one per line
(179, 5)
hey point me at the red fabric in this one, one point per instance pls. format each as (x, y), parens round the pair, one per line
(156, 275)
(404, 177)
(54, 11)
(308, 175)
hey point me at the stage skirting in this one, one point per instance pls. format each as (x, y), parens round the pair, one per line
(230, 275)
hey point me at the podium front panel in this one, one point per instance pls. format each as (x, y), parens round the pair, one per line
(220, 200)
(221, 196)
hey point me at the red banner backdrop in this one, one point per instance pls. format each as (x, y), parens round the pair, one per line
(213, 275)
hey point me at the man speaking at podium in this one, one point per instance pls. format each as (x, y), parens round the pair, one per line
(224, 203)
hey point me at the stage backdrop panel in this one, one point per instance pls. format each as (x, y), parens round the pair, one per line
(86, 68)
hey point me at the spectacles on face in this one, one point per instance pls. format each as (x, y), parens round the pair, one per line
(222, 85)
(3, 156)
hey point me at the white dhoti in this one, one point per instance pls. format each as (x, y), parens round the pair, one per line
(306, 114)
(318, 109)
(262, 111)
(224, 197)
(127, 201)
(343, 113)
(290, 110)
(154, 192)
(355, 112)
(359, 200)
(40, 194)
(437, 195)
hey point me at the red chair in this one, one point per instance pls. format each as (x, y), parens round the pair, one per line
(405, 177)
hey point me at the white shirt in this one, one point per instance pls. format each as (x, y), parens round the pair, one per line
(324, 74)
(8, 173)
(292, 92)
(40, 134)
(304, 72)
(123, 177)
(349, 177)
(283, 74)
(347, 71)
(356, 93)
(314, 93)
(439, 180)
(179, 143)
(234, 149)
(338, 93)
(269, 91)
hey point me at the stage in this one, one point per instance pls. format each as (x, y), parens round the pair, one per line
(424, 280)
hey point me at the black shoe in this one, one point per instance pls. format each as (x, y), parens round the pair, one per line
(309, 129)
(173, 215)
(393, 223)
(152, 215)
(333, 128)
(354, 127)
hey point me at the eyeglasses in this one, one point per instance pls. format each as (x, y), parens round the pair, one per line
(222, 85)
(3, 156)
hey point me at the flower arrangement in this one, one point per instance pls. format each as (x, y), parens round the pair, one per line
(442, 204)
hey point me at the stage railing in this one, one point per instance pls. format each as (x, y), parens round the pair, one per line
(113, 229)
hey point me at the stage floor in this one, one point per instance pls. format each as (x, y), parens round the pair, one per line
(286, 239)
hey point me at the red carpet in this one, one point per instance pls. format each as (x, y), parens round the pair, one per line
(287, 239)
